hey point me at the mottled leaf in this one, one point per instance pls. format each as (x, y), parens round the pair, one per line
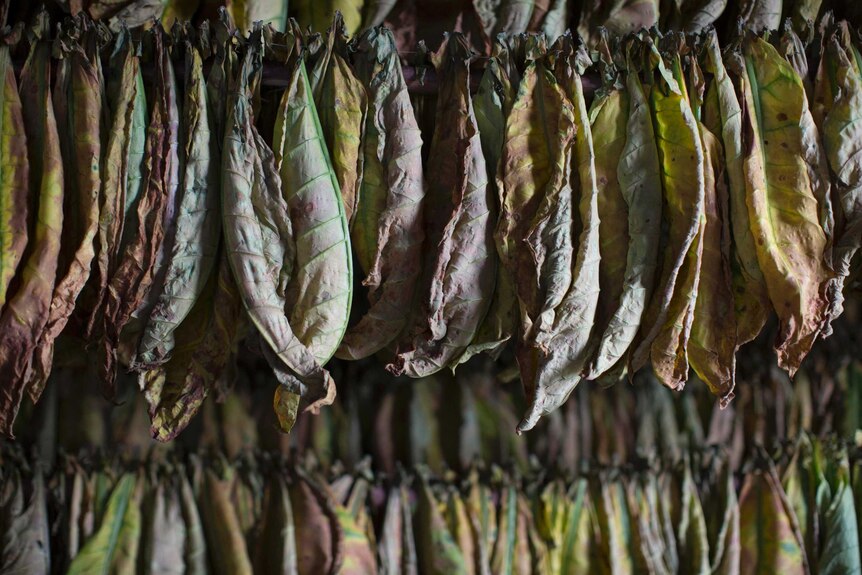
(387, 233)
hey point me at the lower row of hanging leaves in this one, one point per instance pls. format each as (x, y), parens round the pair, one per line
(793, 513)
(157, 225)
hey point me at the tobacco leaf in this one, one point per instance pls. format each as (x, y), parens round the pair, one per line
(782, 205)
(122, 163)
(513, 16)
(387, 234)
(319, 537)
(490, 104)
(613, 522)
(722, 115)
(276, 541)
(77, 99)
(138, 265)
(24, 316)
(163, 536)
(25, 539)
(694, 16)
(320, 289)
(192, 257)
(667, 326)
(246, 13)
(437, 551)
(195, 553)
(564, 349)
(768, 532)
(359, 557)
(318, 15)
(712, 347)
(259, 240)
(842, 104)
(639, 174)
(534, 230)
(619, 17)
(759, 15)
(458, 283)
(342, 105)
(227, 549)
(397, 548)
(14, 190)
(113, 548)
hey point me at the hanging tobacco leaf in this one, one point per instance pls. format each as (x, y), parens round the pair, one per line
(320, 290)
(563, 350)
(782, 204)
(227, 548)
(667, 327)
(137, 271)
(122, 164)
(25, 313)
(759, 15)
(712, 347)
(25, 540)
(78, 99)
(319, 538)
(387, 234)
(198, 225)
(722, 115)
(276, 548)
(458, 283)
(342, 106)
(490, 105)
(639, 175)
(437, 551)
(259, 241)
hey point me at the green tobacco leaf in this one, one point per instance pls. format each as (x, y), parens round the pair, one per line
(136, 271)
(276, 542)
(245, 13)
(691, 530)
(564, 348)
(113, 548)
(667, 326)
(342, 105)
(387, 232)
(838, 525)
(198, 224)
(25, 542)
(259, 242)
(359, 556)
(722, 115)
(639, 174)
(24, 316)
(226, 544)
(768, 531)
(320, 289)
(781, 200)
(458, 283)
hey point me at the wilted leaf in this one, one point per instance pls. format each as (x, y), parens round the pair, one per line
(397, 547)
(458, 283)
(722, 115)
(387, 233)
(342, 105)
(667, 326)
(319, 537)
(26, 311)
(639, 174)
(276, 540)
(198, 225)
(25, 541)
(781, 201)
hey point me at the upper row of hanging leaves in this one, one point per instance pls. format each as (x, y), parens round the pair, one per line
(663, 224)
